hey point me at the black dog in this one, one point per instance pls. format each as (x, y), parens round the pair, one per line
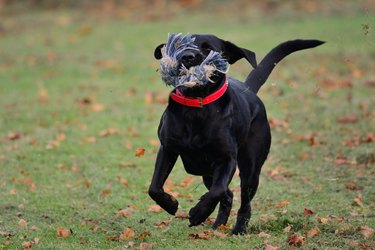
(215, 127)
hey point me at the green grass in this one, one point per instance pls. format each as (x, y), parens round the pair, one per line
(98, 74)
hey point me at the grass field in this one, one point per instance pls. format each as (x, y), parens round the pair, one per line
(79, 94)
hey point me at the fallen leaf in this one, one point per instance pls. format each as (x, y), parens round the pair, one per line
(337, 218)
(205, 235)
(226, 227)
(62, 232)
(295, 240)
(341, 160)
(313, 232)
(264, 235)
(127, 234)
(36, 240)
(307, 212)
(27, 244)
(220, 234)
(187, 181)
(145, 245)
(367, 232)
(87, 183)
(97, 107)
(22, 224)
(287, 229)
(109, 131)
(270, 247)
(281, 204)
(352, 186)
(34, 228)
(14, 136)
(162, 223)
(323, 220)
(358, 200)
(123, 181)
(143, 235)
(154, 208)
(127, 212)
(139, 152)
(106, 191)
(349, 119)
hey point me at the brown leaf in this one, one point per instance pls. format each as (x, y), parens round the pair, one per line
(358, 200)
(270, 247)
(27, 244)
(139, 152)
(14, 135)
(367, 232)
(127, 212)
(87, 183)
(109, 131)
(187, 181)
(143, 235)
(205, 235)
(264, 235)
(62, 232)
(22, 224)
(281, 204)
(123, 181)
(307, 212)
(287, 229)
(323, 220)
(349, 119)
(154, 208)
(145, 245)
(97, 107)
(295, 240)
(226, 227)
(352, 186)
(313, 232)
(341, 160)
(106, 191)
(127, 234)
(220, 234)
(162, 223)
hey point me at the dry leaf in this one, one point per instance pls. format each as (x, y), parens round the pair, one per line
(313, 232)
(269, 247)
(127, 234)
(367, 232)
(27, 244)
(22, 224)
(145, 245)
(295, 240)
(143, 235)
(220, 234)
(123, 181)
(358, 200)
(154, 208)
(34, 228)
(106, 191)
(349, 119)
(323, 220)
(281, 204)
(127, 165)
(139, 152)
(307, 212)
(162, 223)
(352, 186)
(87, 183)
(264, 235)
(205, 235)
(127, 212)
(62, 232)
(287, 229)
(97, 107)
(14, 136)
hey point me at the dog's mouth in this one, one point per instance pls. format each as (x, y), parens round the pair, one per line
(182, 63)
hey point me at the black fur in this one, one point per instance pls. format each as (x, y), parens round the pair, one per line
(213, 140)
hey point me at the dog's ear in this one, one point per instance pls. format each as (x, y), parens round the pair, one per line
(233, 53)
(157, 52)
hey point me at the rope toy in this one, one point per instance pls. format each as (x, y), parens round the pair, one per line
(197, 75)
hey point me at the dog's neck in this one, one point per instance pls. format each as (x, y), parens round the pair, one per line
(204, 90)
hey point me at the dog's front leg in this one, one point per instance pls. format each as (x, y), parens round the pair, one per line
(163, 167)
(208, 202)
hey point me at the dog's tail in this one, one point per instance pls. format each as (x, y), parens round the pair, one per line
(259, 75)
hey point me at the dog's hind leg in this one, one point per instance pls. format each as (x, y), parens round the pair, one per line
(225, 204)
(250, 160)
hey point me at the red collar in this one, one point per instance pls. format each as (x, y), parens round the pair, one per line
(198, 101)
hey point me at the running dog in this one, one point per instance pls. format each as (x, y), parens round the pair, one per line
(213, 122)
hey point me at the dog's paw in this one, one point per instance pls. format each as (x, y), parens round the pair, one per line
(171, 206)
(239, 230)
(200, 213)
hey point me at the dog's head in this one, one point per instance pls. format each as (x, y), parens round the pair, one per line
(197, 60)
